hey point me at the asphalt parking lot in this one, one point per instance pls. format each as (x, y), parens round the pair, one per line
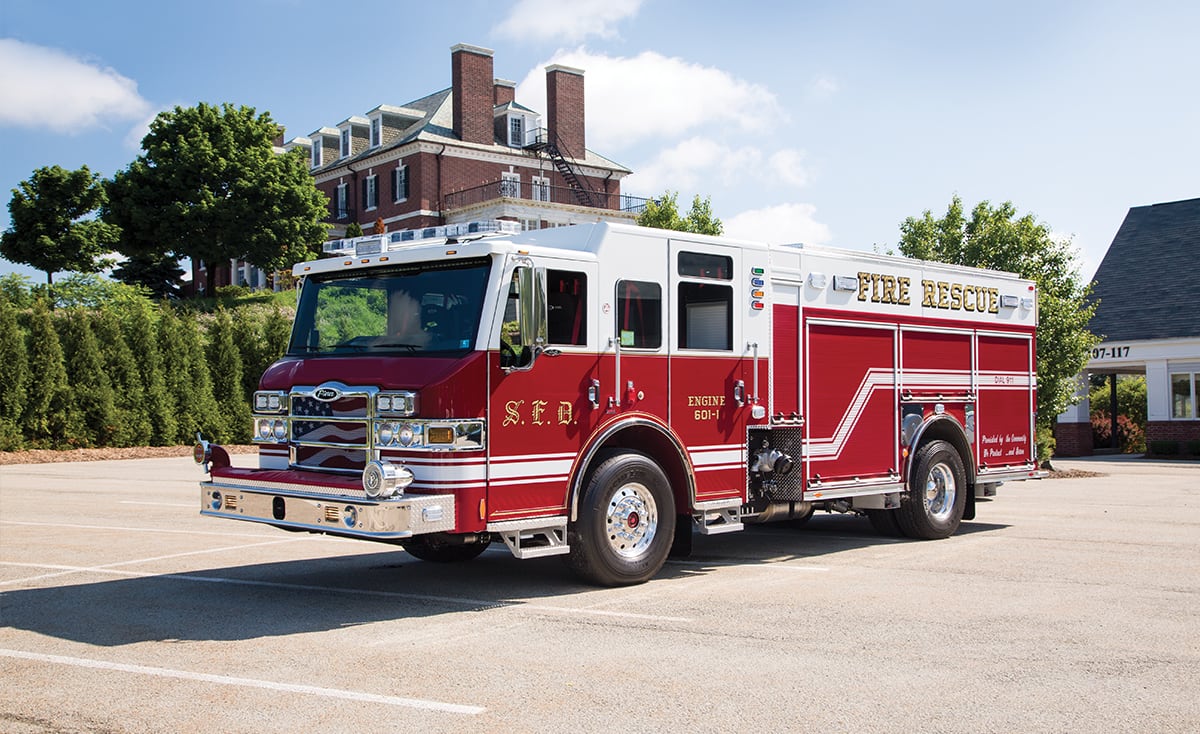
(1069, 605)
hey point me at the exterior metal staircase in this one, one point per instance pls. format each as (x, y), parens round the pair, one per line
(544, 142)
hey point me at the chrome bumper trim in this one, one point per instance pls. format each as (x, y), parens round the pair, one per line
(396, 519)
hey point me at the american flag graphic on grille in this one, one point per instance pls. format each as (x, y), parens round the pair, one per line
(342, 421)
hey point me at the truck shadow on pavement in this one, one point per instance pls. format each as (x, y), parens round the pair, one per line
(340, 591)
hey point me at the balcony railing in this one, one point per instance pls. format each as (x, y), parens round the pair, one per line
(538, 193)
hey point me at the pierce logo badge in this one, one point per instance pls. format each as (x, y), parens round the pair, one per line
(327, 394)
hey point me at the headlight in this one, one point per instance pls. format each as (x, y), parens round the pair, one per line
(269, 401)
(387, 432)
(406, 435)
(264, 429)
(403, 404)
(279, 428)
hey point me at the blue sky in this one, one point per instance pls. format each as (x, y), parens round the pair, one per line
(821, 122)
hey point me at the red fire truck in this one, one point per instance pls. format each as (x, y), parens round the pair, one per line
(602, 391)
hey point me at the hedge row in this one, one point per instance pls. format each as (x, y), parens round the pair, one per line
(128, 372)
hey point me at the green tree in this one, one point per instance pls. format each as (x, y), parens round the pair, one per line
(995, 237)
(141, 334)
(210, 186)
(51, 229)
(129, 396)
(225, 365)
(664, 214)
(91, 388)
(14, 376)
(189, 384)
(48, 418)
(354, 229)
(160, 275)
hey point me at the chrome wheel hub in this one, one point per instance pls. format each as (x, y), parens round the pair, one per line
(940, 492)
(631, 520)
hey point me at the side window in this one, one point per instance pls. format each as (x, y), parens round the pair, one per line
(566, 302)
(705, 308)
(639, 314)
(705, 316)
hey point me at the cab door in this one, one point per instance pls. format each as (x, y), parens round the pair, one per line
(541, 412)
(710, 384)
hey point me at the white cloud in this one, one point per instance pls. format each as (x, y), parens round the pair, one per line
(565, 22)
(823, 87)
(630, 100)
(784, 224)
(696, 163)
(788, 165)
(701, 164)
(47, 88)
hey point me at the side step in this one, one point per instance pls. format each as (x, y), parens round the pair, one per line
(719, 516)
(534, 537)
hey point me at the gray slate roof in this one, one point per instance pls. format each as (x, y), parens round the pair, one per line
(1148, 284)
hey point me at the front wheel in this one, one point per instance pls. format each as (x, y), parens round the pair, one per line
(933, 506)
(626, 522)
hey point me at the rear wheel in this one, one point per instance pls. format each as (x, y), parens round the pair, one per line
(442, 549)
(933, 506)
(626, 522)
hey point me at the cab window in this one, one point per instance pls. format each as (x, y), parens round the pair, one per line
(639, 314)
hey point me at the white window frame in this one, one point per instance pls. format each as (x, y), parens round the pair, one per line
(510, 185)
(1193, 377)
(372, 184)
(396, 198)
(317, 151)
(517, 121)
(540, 188)
(376, 132)
(342, 201)
(345, 143)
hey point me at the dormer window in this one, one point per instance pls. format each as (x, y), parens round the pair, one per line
(317, 147)
(516, 131)
(345, 150)
(376, 132)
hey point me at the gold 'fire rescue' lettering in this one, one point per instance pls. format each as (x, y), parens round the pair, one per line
(959, 297)
(537, 413)
(883, 288)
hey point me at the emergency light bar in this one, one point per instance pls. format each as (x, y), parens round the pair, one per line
(378, 243)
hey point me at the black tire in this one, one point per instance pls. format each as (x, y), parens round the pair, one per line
(798, 521)
(886, 522)
(441, 550)
(626, 522)
(932, 508)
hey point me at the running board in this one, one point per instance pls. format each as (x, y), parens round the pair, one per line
(718, 516)
(534, 537)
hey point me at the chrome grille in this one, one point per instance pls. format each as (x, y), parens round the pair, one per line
(331, 435)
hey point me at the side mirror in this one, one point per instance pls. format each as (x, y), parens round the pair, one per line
(532, 282)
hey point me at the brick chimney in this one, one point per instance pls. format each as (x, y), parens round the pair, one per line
(471, 79)
(564, 108)
(504, 91)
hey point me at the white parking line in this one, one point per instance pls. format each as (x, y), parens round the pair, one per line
(70, 526)
(752, 563)
(187, 505)
(454, 600)
(96, 569)
(225, 680)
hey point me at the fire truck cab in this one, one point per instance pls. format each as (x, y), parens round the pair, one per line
(603, 391)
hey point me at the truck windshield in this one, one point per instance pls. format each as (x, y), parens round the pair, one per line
(422, 307)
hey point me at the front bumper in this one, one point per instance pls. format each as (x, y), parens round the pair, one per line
(304, 507)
